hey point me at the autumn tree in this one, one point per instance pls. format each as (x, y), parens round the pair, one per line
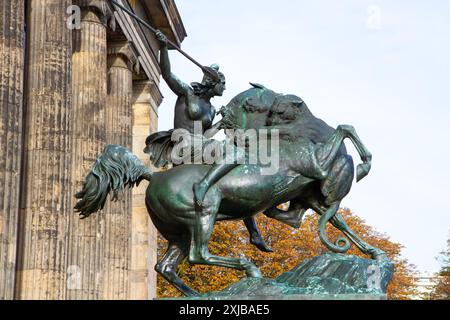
(441, 290)
(290, 246)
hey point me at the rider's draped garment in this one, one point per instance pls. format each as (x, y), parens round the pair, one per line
(166, 148)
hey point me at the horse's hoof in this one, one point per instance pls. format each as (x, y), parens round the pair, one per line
(362, 170)
(260, 244)
(253, 272)
(292, 222)
(379, 255)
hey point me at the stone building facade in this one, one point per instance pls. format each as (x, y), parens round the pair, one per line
(69, 85)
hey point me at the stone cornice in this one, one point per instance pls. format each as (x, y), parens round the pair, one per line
(176, 21)
(165, 16)
(161, 14)
(132, 31)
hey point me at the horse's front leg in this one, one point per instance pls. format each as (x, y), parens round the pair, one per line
(327, 152)
(363, 169)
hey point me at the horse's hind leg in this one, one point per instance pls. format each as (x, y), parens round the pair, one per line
(363, 169)
(201, 233)
(167, 266)
(326, 154)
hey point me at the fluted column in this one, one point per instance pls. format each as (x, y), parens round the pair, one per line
(87, 237)
(118, 131)
(146, 99)
(12, 47)
(46, 195)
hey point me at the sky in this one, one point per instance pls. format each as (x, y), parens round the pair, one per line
(381, 66)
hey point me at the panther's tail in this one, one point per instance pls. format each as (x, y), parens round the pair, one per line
(115, 169)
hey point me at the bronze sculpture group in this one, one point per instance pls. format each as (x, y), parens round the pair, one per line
(184, 202)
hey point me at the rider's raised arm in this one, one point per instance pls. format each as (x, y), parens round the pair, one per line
(176, 85)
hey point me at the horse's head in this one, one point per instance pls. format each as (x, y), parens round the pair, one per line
(249, 109)
(260, 107)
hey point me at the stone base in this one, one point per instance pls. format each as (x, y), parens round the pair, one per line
(292, 297)
(327, 277)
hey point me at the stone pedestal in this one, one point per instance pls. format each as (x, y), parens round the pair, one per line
(313, 297)
(326, 277)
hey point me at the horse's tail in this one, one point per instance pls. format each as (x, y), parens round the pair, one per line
(341, 245)
(115, 169)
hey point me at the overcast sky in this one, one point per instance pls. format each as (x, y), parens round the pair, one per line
(381, 66)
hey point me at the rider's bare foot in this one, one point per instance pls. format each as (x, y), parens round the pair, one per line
(200, 190)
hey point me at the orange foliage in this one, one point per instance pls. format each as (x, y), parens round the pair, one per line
(291, 246)
(441, 290)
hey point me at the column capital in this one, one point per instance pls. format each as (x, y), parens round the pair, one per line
(124, 50)
(101, 9)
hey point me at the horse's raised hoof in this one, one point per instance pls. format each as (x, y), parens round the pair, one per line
(292, 222)
(253, 272)
(362, 170)
(260, 244)
(379, 255)
(83, 216)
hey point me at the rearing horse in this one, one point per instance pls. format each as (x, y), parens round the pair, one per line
(242, 193)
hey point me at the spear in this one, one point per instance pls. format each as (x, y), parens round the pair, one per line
(130, 12)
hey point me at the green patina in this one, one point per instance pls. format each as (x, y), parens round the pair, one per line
(184, 203)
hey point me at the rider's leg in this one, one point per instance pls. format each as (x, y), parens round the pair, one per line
(214, 174)
(201, 229)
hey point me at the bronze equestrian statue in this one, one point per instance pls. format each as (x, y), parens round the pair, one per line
(315, 172)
